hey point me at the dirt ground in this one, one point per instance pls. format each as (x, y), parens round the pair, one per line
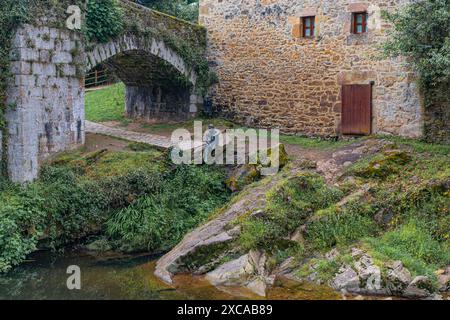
(97, 142)
(294, 151)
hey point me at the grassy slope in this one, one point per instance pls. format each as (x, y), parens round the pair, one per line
(404, 216)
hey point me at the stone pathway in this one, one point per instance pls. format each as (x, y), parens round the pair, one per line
(151, 139)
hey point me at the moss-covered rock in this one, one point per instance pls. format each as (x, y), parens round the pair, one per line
(386, 165)
(242, 176)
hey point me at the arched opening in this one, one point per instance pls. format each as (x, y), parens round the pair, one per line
(152, 89)
(155, 83)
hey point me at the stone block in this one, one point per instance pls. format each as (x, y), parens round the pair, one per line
(45, 43)
(20, 67)
(62, 57)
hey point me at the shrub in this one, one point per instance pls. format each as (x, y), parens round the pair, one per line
(158, 221)
(67, 202)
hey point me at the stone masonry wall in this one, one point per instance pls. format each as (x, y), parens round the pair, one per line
(272, 77)
(46, 98)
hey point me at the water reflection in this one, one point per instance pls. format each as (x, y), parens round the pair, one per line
(114, 277)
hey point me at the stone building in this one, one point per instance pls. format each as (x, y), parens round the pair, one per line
(310, 67)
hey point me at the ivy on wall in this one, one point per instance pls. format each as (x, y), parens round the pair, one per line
(421, 32)
(104, 20)
(12, 14)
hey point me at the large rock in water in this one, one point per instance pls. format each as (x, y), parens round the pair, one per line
(247, 271)
(215, 231)
(233, 273)
(420, 287)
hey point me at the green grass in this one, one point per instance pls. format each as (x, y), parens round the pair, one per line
(414, 245)
(314, 143)
(158, 128)
(158, 221)
(419, 146)
(106, 104)
(341, 226)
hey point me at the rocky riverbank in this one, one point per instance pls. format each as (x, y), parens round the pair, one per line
(332, 221)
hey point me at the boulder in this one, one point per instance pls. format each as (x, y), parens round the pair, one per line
(214, 232)
(443, 277)
(287, 266)
(420, 287)
(258, 286)
(249, 271)
(242, 176)
(258, 260)
(347, 279)
(397, 278)
(236, 272)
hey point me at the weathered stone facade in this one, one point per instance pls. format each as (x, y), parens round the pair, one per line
(270, 76)
(46, 97)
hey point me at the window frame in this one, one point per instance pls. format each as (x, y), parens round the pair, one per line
(312, 26)
(364, 23)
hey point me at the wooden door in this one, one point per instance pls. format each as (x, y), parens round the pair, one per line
(357, 109)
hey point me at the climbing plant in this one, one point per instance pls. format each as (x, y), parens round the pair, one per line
(103, 20)
(191, 46)
(422, 32)
(12, 13)
(183, 9)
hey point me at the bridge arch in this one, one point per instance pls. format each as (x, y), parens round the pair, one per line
(45, 95)
(151, 71)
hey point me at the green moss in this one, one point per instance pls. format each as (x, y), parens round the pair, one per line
(288, 205)
(103, 163)
(383, 165)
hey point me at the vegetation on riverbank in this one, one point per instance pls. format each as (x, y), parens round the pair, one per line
(393, 205)
(131, 196)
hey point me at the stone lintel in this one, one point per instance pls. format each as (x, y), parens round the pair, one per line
(358, 7)
(308, 12)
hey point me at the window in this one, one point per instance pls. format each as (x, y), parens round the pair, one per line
(309, 24)
(360, 22)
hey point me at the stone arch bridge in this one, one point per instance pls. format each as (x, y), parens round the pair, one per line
(46, 95)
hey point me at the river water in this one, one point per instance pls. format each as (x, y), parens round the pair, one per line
(110, 276)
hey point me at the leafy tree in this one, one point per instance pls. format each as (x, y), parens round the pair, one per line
(421, 32)
(184, 9)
